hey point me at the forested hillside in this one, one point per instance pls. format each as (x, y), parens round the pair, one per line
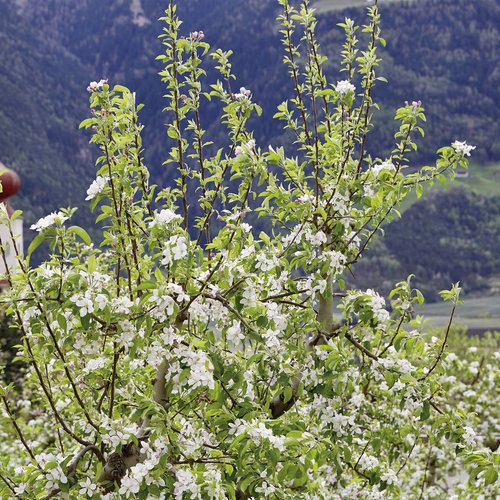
(442, 52)
(40, 85)
(445, 237)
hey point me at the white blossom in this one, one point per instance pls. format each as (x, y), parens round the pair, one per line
(88, 487)
(96, 187)
(344, 86)
(390, 477)
(368, 462)
(265, 489)
(234, 333)
(95, 364)
(185, 483)
(54, 477)
(20, 488)
(96, 86)
(164, 217)
(249, 298)
(85, 302)
(385, 166)
(247, 148)
(175, 249)
(469, 437)
(49, 220)
(462, 148)
(129, 486)
(243, 94)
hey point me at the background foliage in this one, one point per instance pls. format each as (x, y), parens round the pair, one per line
(441, 52)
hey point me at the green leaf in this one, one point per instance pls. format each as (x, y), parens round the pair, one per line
(36, 242)
(121, 88)
(91, 264)
(61, 320)
(426, 411)
(490, 476)
(287, 394)
(81, 233)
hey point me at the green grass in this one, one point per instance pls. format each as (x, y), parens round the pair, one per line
(475, 312)
(482, 179)
(330, 5)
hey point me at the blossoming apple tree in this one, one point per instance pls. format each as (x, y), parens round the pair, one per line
(187, 355)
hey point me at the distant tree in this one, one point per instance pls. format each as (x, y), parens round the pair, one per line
(187, 357)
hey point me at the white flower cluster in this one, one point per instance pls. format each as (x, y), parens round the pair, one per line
(213, 484)
(96, 187)
(88, 488)
(340, 203)
(385, 166)
(175, 249)
(249, 298)
(49, 220)
(306, 198)
(185, 483)
(234, 334)
(192, 440)
(316, 239)
(85, 301)
(266, 489)
(258, 432)
(373, 300)
(469, 436)
(55, 477)
(245, 148)
(392, 362)
(96, 86)
(272, 340)
(336, 261)
(265, 263)
(164, 305)
(53, 471)
(314, 284)
(390, 477)
(462, 148)
(199, 365)
(324, 408)
(130, 484)
(377, 304)
(164, 217)
(95, 364)
(118, 433)
(345, 86)
(243, 94)
(367, 462)
(122, 305)
(277, 315)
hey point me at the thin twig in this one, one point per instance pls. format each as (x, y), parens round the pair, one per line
(443, 345)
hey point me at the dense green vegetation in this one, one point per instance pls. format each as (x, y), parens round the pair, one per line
(39, 110)
(441, 52)
(446, 237)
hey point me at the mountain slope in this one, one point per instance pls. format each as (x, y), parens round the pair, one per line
(444, 53)
(39, 117)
